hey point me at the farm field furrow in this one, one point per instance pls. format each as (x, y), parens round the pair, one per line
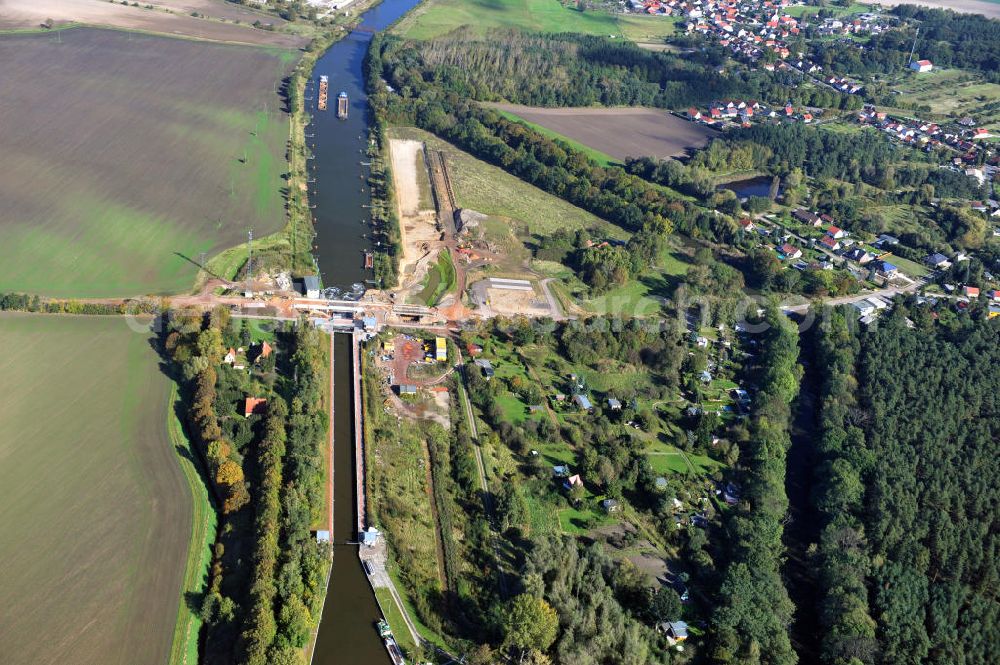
(213, 20)
(119, 172)
(619, 132)
(96, 515)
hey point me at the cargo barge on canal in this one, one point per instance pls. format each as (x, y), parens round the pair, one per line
(390, 643)
(342, 105)
(324, 85)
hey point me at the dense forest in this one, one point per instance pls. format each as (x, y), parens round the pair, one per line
(965, 41)
(908, 556)
(266, 472)
(578, 70)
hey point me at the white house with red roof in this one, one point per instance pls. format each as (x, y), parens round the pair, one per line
(921, 66)
(830, 243)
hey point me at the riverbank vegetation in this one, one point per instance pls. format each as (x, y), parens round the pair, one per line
(260, 432)
(384, 212)
(909, 508)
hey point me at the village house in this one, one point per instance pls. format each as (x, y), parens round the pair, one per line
(886, 269)
(937, 260)
(263, 352)
(859, 255)
(790, 251)
(487, 368)
(807, 217)
(254, 406)
(235, 358)
(676, 631)
(921, 66)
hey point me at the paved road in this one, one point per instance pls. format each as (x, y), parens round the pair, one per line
(887, 293)
(557, 313)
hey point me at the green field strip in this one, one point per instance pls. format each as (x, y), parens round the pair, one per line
(204, 524)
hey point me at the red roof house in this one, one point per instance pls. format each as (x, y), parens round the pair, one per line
(254, 405)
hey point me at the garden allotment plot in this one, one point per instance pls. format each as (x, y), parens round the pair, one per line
(95, 511)
(126, 156)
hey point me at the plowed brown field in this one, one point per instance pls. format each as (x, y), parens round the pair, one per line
(619, 132)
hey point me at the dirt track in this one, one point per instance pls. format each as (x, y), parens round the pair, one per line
(619, 132)
(172, 17)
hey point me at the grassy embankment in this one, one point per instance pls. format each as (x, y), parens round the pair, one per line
(438, 17)
(492, 191)
(440, 280)
(184, 650)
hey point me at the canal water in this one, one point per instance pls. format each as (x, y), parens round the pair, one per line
(347, 633)
(339, 190)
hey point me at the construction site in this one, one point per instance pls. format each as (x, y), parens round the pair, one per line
(449, 259)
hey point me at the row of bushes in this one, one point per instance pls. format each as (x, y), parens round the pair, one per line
(22, 302)
(383, 198)
(263, 613)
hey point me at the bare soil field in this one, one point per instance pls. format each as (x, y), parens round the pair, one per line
(127, 156)
(217, 20)
(417, 218)
(619, 132)
(95, 511)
